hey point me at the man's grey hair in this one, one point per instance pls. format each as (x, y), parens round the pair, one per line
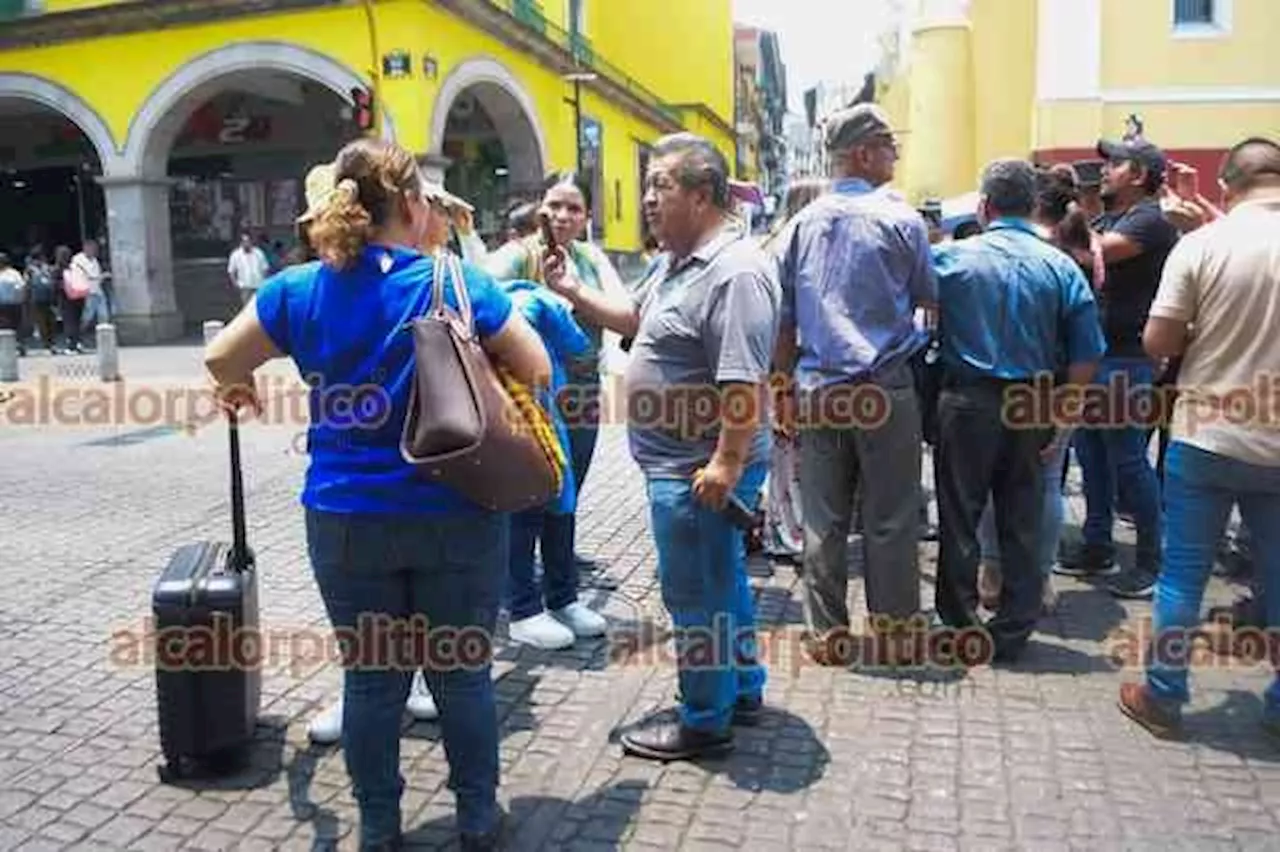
(1010, 186)
(701, 164)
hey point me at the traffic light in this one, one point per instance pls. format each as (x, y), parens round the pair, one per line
(362, 111)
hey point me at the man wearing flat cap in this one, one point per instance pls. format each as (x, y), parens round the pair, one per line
(1136, 238)
(855, 265)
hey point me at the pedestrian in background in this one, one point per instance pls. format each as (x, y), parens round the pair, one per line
(783, 525)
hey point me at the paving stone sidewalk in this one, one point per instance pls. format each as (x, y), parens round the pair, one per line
(1030, 757)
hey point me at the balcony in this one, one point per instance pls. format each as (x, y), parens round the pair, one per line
(530, 16)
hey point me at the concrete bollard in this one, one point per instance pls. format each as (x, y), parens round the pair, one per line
(211, 330)
(8, 355)
(108, 353)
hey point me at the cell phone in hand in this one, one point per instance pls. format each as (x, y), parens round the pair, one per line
(548, 234)
(1188, 183)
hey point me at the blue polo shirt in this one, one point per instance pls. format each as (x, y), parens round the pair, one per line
(1012, 306)
(346, 332)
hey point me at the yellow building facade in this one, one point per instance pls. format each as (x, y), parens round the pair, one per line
(488, 93)
(972, 80)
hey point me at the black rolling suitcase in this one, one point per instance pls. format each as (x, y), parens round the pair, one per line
(208, 657)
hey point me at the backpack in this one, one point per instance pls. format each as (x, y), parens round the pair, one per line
(41, 280)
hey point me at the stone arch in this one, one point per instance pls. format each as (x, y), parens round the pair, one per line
(62, 100)
(158, 121)
(510, 106)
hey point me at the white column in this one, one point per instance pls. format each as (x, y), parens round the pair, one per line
(146, 310)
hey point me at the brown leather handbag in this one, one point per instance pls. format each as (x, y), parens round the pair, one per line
(463, 427)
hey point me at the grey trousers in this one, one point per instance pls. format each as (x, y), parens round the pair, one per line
(883, 461)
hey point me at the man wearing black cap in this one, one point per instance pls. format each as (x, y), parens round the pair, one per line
(1136, 239)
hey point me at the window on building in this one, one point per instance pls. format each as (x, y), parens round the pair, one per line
(576, 16)
(1203, 17)
(1192, 12)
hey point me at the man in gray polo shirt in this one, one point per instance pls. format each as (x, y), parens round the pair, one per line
(704, 322)
(855, 266)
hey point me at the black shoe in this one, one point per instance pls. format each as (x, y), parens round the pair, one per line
(1089, 561)
(490, 840)
(395, 844)
(672, 742)
(748, 712)
(585, 564)
(1136, 585)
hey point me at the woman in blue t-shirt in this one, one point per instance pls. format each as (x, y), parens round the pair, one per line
(386, 545)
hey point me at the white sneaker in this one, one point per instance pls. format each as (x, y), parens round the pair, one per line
(421, 705)
(326, 729)
(582, 620)
(541, 631)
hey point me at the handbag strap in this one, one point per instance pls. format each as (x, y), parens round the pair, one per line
(444, 261)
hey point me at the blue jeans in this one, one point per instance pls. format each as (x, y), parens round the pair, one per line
(1050, 519)
(559, 587)
(1201, 488)
(702, 566)
(1117, 453)
(448, 572)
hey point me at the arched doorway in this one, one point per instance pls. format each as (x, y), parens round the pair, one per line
(52, 149)
(231, 136)
(487, 139)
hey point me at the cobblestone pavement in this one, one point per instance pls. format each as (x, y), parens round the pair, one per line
(1035, 756)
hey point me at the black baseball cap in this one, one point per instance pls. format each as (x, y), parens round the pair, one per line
(1139, 151)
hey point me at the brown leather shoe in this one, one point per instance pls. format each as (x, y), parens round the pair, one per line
(1162, 721)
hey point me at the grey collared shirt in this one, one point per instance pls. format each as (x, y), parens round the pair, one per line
(709, 321)
(853, 266)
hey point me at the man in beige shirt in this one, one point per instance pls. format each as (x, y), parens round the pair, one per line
(1218, 307)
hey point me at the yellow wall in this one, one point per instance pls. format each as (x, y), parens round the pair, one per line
(1004, 78)
(941, 160)
(341, 34)
(1140, 50)
(682, 50)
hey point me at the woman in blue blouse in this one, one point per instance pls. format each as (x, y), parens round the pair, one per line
(386, 544)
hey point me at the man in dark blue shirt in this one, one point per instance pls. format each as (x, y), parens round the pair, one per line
(1014, 311)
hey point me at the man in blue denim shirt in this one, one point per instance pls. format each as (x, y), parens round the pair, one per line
(855, 266)
(1013, 309)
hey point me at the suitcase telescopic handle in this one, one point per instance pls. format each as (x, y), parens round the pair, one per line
(239, 537)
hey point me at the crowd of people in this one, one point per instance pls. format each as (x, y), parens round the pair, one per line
(64, 295)
(836, 346)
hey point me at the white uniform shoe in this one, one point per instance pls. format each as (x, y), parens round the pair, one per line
(326, 729)
(541, 631)
(421, 705)
(582, 620)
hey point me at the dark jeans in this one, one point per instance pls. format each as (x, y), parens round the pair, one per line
(447, 570)
(1116, 453)
(43, 319)
(1202, 487)
(980, 456)
(557, 533)
(72, 311)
